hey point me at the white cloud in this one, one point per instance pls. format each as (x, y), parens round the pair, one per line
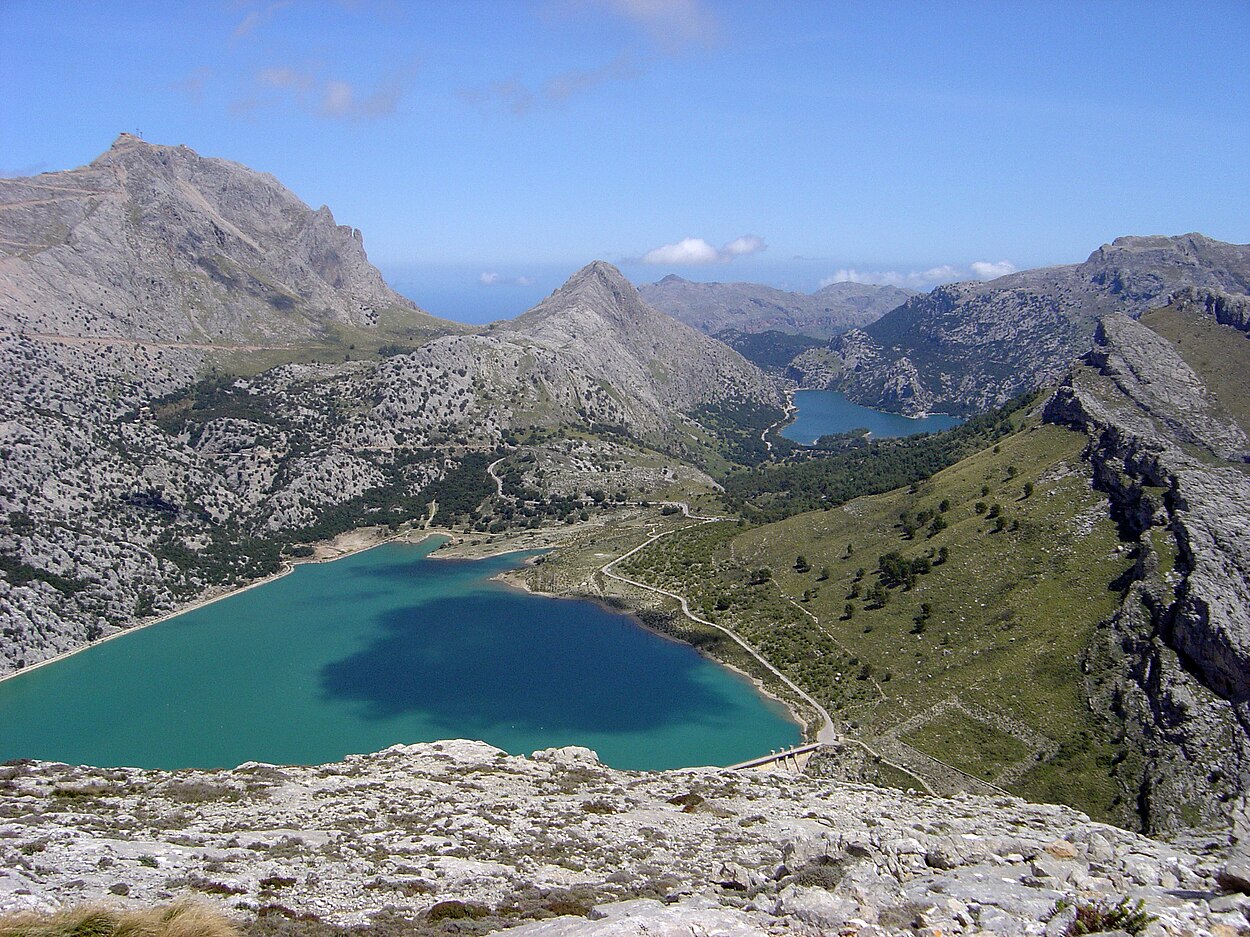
(332, 97)
(845, 275)
(944, 272)
(696, 251)
(685, 251)
(984, 270)
(922, 279)
(743, 246)
(488, 278)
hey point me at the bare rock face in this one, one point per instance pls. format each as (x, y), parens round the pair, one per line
(1174, 663)
(752, 307)
(599, 320)
(158, 243)
(976, 345)
(564, 846)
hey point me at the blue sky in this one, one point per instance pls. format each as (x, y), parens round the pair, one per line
(487, 149)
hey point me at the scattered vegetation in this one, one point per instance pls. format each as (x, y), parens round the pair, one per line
(182, 919)
(952, 610)
(812, 479)
(1096, 917)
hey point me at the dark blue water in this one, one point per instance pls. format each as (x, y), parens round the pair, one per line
(828, 412)
(383, 647)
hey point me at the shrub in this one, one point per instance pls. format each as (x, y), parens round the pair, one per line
(456, 911)
(1094, 917)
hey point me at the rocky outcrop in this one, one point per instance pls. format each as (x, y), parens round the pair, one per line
(973, 346)
(1174, 663)
(753, 307)
(1225, 308)
(563, 845)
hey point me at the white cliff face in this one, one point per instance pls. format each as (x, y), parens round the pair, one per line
(694, 851)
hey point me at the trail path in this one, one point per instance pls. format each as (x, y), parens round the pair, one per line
(827, 732)
(790, 410)
(490, 470)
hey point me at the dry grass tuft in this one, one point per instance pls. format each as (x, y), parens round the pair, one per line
(181, 919)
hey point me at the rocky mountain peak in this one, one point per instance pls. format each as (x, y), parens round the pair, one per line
(600, 318)
(594, 299)
(159, 243)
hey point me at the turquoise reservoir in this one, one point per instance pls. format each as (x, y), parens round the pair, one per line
(382, 647)
(828, 412)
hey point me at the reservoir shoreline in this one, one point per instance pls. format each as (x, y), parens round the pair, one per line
(460, 545)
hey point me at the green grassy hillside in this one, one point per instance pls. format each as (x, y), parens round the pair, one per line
(949, 616)
(1216, 352)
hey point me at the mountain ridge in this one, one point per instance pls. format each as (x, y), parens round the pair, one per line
(754, 307)
(966, 347)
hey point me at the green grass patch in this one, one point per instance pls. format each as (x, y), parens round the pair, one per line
(1218, 353)
(975, 746)
(1011, 560)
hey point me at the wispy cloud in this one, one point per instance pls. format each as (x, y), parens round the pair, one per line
(257, 17)
(516, 97)
(669, 23)
(193, 84)
(574, 81)
(692, 251)
(923, 279)
(332, 98)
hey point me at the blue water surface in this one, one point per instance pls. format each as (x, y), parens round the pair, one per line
(382, 647)
(828, 412)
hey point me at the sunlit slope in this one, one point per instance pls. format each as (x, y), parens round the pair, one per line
(988, 679)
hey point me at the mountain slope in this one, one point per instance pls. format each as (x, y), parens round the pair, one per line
(967, 347)
(598, 319)
(752, 307)
(158, 243)
(145, 462)
(1102, 549)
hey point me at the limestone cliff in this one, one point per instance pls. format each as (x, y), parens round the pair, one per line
(159, 243)
(1171, 667)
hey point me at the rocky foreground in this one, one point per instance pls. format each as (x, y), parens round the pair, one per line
(459, 834)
